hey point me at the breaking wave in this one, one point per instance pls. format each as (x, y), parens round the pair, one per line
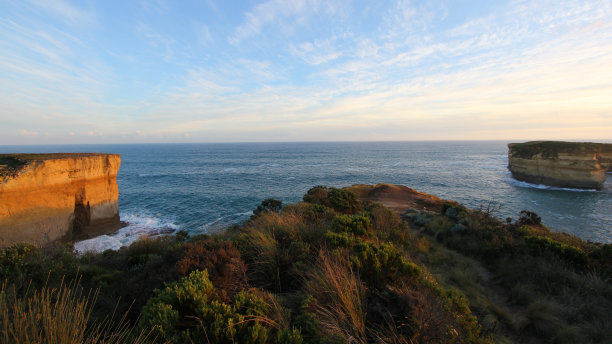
(138, 226)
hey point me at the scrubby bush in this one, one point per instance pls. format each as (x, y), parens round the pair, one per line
(221, 259)
(539, 245)
(528, 218)
(385, 223)
(269, 205)
(344, 201)
(354, 224)
(317, 195)
(27, 265)
(380, 265)
(419, 218)
(190, 311)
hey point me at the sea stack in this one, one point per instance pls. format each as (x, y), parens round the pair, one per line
(49, 197)
(581, 165)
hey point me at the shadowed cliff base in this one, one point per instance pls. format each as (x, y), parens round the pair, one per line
(581, 165)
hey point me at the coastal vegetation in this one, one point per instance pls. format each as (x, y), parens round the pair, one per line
(551, 149)
(335, 268)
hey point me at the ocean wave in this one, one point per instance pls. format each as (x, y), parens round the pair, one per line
(138, 226)
(522, 184)
(223, 221)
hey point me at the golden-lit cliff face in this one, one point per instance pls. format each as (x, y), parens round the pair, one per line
(563, 164)
(605, 160)
(58, 196)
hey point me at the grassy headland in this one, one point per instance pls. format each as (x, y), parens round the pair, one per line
(336, 268)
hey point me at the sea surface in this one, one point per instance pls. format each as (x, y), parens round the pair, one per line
(206, 187)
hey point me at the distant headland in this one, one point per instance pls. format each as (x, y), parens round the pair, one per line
(581, 165)
(49, 197)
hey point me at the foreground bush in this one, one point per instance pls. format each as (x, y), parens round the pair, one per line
(190, 311)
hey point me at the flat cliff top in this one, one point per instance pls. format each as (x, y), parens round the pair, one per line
(398, 198)
(551, 149)
(11, 164)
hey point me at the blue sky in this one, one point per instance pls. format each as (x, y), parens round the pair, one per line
(306, 70)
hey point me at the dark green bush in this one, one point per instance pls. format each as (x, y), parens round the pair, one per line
(344, 201)
(342, 239)
(269, 205)
(317, 195)
(538, 244)
(379, 265)
(354, 224)
(25, 264)
(528, 218)
(190, 311)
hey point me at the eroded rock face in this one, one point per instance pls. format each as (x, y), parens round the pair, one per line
(563, 164)
(47, 197)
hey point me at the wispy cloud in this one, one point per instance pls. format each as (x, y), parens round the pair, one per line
(66, 11)
(162, 42)
(317, 52)
(203, 35)
(28, 133)
(284, 15)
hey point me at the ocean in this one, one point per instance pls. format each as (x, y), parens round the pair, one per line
(204, 187)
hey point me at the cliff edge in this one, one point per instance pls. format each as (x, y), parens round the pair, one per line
(48, 197)
(580, 165)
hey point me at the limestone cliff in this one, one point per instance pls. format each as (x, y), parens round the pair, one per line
(46, 197)
(563, 164)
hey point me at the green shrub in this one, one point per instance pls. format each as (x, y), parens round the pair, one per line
(269, 205)
(190, 311)
(383, 264)
(342, 239)
(419, 218)
(13, 259)
(528, 218)
(539, 244)
(220, 258)
(344, 201)
(354, 224)
(25, 264)
(454, 212)
(317, 195)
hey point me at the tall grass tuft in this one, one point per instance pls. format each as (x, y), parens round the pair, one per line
(340, 298)
(59, 316)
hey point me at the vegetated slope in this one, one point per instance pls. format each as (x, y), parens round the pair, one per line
(335, 269)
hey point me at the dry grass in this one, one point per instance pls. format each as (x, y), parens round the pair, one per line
(340, 298)
(58, 316)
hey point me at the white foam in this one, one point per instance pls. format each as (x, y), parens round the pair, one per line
(522, 184)
(138, 226)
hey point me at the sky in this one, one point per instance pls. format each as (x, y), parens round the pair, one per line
(105, 71)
